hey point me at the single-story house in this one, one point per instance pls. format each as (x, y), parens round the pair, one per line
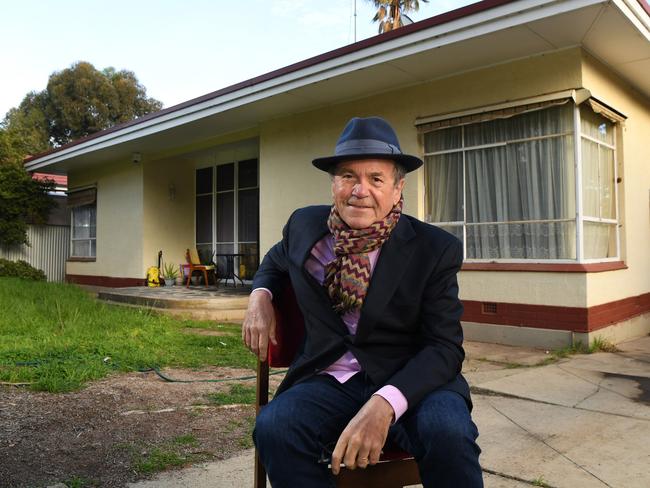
(532, 116)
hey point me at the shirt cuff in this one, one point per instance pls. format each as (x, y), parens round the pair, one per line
(395, 398)
(264, 289)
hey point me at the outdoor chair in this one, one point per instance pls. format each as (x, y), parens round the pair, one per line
(396, 468)
(194, 264)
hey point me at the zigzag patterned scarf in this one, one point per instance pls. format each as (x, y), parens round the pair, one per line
(348, 276)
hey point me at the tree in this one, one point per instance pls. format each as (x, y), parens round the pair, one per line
(390, 13)
(23, 200)
(78, 101)
(82, 101)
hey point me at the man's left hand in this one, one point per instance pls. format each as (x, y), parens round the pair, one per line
(362, 439)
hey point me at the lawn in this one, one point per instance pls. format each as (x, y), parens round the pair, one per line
(56, 337)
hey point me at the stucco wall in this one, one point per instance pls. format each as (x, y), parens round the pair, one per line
(168, 212)
(288, 145)
(634, 169)
(119, 220)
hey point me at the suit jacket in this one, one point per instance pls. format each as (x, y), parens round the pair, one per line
(409, 332)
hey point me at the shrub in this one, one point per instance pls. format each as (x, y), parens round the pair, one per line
(20, 269)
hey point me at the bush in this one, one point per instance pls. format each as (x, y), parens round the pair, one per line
(20, 269)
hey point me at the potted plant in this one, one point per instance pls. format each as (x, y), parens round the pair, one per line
(170, 273)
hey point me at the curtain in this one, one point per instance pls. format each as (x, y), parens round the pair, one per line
(526, 173)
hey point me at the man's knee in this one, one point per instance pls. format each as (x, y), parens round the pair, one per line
(444, 423)
(272, 426)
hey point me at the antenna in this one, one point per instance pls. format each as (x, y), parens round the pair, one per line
(355, 20)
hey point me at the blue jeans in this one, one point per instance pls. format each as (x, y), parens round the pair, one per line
(294, 430)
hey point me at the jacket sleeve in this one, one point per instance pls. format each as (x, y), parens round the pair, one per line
(274, 268)
(440, 358)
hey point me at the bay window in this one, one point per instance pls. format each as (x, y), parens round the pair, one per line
(533, 182)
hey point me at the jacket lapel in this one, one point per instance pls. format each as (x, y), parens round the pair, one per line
(395, 254)
(310, 235)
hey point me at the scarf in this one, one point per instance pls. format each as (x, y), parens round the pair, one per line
(347, 277)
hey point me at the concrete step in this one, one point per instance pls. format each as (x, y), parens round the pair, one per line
(227, 302)
(235, 316)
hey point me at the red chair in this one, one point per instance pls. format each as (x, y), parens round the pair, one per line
(194, 264)
(396, 468)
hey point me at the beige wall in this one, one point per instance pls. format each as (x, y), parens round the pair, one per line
(168, 213)
(288, 145)
(119, 220)
(634, 168)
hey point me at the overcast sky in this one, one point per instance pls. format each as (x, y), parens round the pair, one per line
(178, 49)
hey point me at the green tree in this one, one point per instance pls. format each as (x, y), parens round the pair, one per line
(23, 200)
(390, 13)
(78, 101)
(24, 130)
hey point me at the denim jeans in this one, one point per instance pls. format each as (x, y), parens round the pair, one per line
(295, 430)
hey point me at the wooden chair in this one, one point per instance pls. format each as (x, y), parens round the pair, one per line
(194, 264)
(396, 468)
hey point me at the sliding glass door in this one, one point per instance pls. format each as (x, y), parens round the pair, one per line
(227, 216)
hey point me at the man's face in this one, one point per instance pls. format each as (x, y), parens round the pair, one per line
(365, 191)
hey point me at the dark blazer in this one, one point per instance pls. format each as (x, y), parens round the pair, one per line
(409, 332)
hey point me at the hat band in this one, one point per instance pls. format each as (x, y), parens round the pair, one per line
(365, 146)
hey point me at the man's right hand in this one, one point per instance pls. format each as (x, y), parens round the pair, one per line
(259, 323)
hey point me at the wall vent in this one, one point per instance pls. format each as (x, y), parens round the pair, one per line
(489, 308)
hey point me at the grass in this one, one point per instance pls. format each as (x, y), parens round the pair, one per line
(238, 394)
(599, 344)
(173, 453)
(78, 482)
(56, 337)
(539, 482)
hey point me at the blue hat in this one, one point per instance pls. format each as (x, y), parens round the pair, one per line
(368, 138)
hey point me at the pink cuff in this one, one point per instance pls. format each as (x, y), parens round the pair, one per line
(264, 289)
(396, 399)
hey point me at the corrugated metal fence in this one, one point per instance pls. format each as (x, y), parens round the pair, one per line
(49, 248)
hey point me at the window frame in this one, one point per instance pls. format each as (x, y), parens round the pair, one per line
(90, 240)
(575, 98)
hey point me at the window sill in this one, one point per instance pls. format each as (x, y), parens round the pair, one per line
(73, 259)
(546, 267)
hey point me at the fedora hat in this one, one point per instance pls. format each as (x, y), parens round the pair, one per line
(368, 138)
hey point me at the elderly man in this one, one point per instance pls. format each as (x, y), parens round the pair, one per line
(382, 352)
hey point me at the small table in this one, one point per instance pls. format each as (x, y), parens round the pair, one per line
(230, 266)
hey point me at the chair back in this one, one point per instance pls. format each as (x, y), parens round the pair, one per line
(289, 328)
(192, 256)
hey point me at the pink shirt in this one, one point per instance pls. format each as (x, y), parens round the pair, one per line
(347, 365)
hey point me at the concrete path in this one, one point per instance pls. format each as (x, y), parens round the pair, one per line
(583, 421)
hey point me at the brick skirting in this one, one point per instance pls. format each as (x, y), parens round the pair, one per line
(110, 281)
(574, 319)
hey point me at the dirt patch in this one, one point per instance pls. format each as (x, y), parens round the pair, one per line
(206, 332)
(100, 436)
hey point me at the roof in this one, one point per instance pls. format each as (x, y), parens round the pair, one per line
(59, 180)
(412, 54)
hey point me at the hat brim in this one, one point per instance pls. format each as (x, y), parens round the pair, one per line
(409, 162)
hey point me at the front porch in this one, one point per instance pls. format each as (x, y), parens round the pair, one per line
(220, 303)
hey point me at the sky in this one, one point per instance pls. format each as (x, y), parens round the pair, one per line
(178, 49)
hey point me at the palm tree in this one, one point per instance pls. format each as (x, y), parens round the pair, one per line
(391, 14)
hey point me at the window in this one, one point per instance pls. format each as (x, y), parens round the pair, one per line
(84, 222)
(84, 231)
(505, 182)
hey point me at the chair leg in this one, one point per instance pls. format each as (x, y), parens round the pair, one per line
(189, 276)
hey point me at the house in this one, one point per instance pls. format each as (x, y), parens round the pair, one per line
(532, 117)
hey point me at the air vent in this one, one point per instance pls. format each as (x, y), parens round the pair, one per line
(489, 308)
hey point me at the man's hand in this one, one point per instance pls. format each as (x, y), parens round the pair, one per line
(259, 324)
(361, 441)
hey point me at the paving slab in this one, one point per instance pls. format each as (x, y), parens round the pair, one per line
(567, 447)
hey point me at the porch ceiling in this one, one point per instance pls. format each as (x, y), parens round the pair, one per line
(615, 32)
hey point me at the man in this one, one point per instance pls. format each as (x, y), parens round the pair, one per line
(382, 352)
